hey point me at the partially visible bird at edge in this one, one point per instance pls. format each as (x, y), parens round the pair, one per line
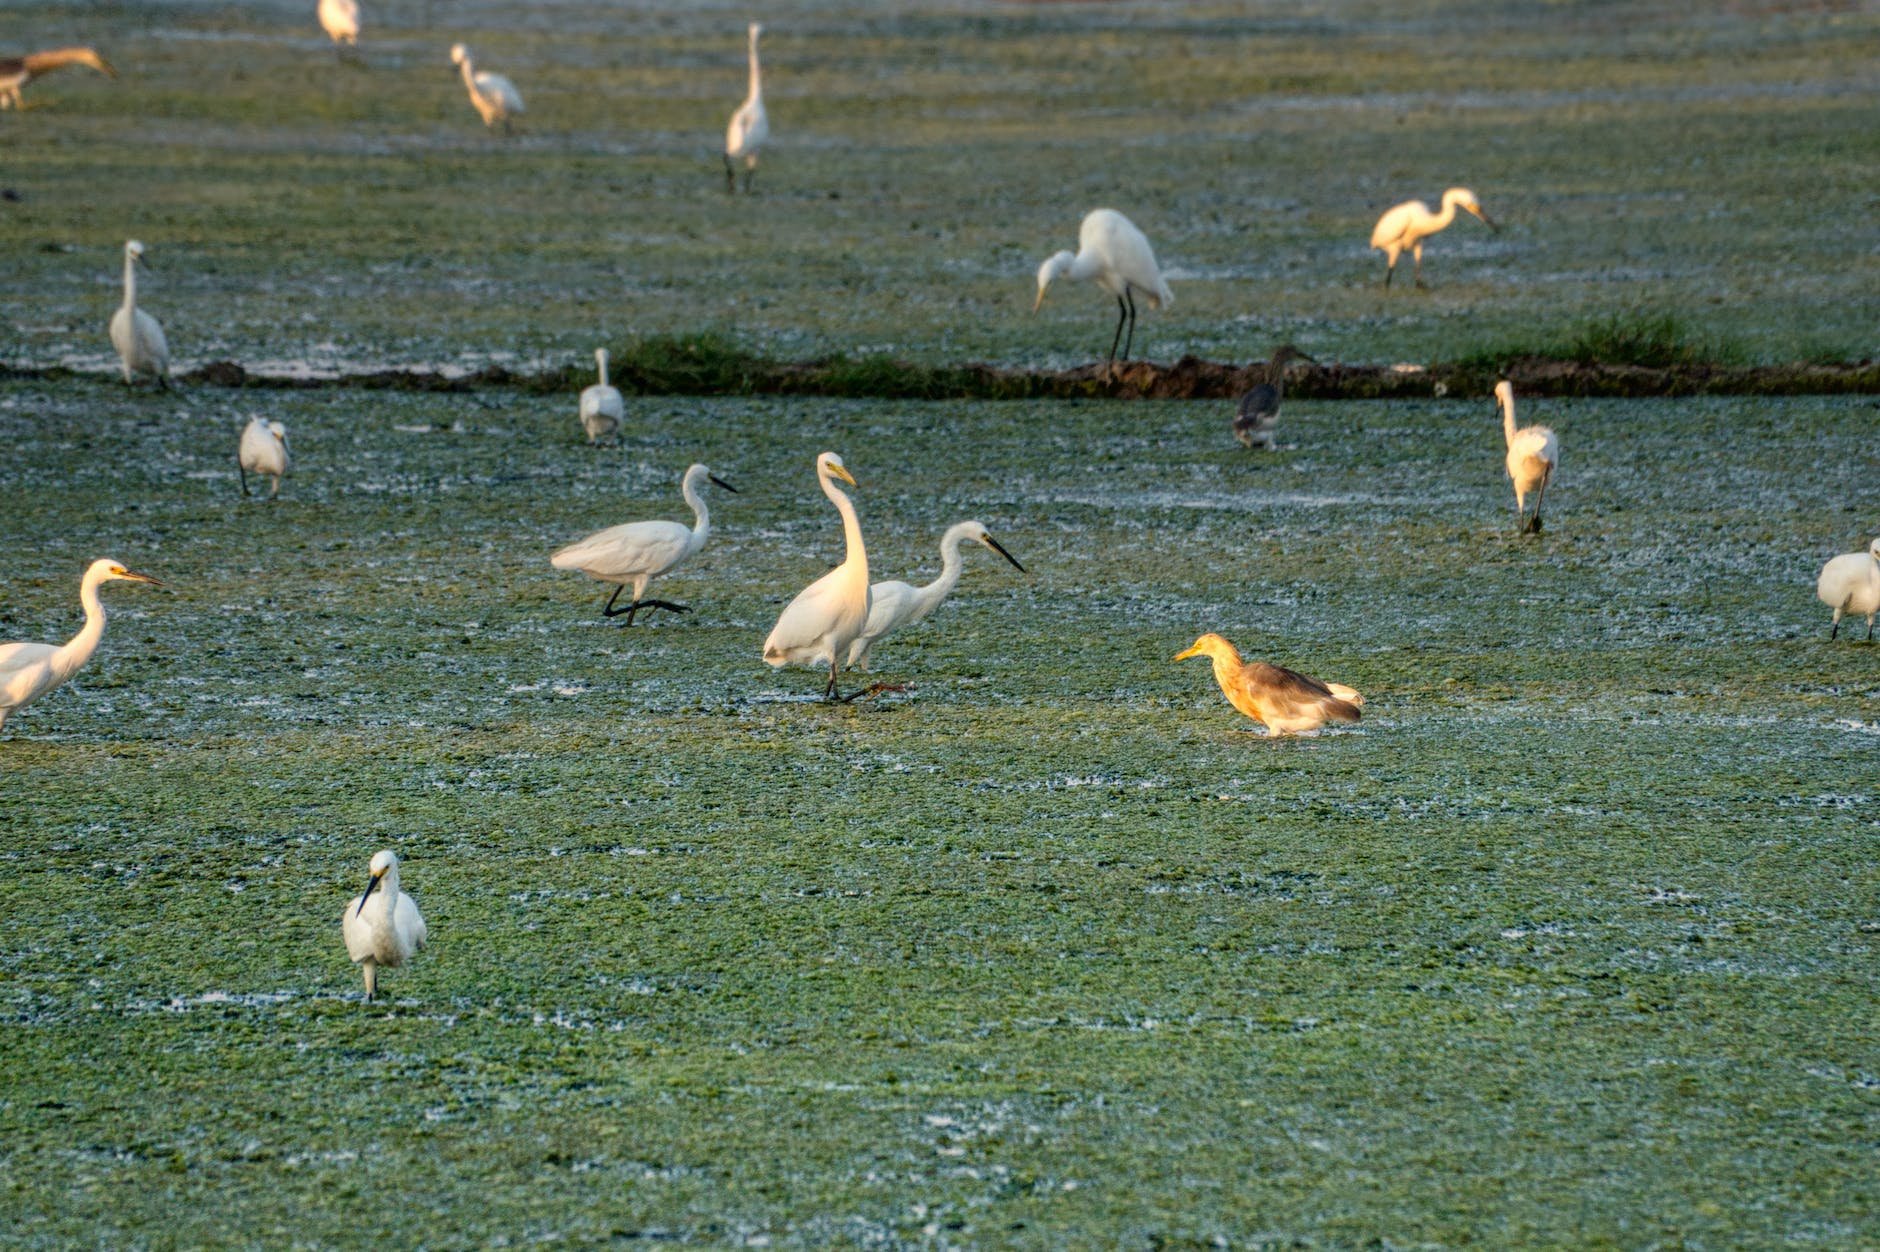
(30, 670)
(16, 72)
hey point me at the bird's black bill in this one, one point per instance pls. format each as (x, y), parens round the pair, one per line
(1000, 549)
(722, 483)
(362, 899)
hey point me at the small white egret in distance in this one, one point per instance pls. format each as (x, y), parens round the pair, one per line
(639, 552)
(1258, 411)
(382, 927)
(602, 408)
(1850, 585)
(1533, 452)
(1283, 701)
(495, 97)
(16, 72)
(817, 627)
(263, 450)
(30, 670)
(749, 128)
(1117, 257)
(141, 347)
(340, 20)
(894, 604)
(1408, 224)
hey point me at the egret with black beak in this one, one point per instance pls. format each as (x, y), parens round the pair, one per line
(383, 926)
(894, 604)
(639, 552)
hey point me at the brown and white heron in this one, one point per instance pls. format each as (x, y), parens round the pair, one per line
(1258, 410)
(1282, 700)
(16, 72)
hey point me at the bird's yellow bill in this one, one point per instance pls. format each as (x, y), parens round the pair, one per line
(1039, 302)
(843, 474)
(1194, 651)
(135, 577)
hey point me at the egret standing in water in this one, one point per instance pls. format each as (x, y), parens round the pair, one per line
(1116, 256)
(30, 670)
(892, 605)
(141, 347)
(602, 408)
(382, 927)
(1282, 700)
(749, 128)
(817, 627)
(340, 20)
(1408, 224)
(1258, 411)
(263, 450)
(16, 72)
(495, 97)
(1533, 452)
(639, 552)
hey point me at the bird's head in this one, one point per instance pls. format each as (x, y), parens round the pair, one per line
(1209, 645)
(699, 472)
(1504, 396)
(1873, 549)
(1466, 201)
(459, 54)
(278, 431)
(87, 56)
(134, 249)
(757, 28)
(1289, 352)
(107, 570)
(383, 862)
(977, 532)
(830, 465)
(1053, 268)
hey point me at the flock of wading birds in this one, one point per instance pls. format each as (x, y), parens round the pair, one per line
(837, 619)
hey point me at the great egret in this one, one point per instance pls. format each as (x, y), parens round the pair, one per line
(30, 670)
(1408, 224)
(141, 348)
(1850, 584)
(817, 627)
(382, 926)
(16, 72)
(1258, 410)
(1283, 701)
(495, 97)
(892, 605)
(340, 20)
(639, 552)
(1533, 452)
(263, 450)
(749, 128)
(1117, 257)
(602, 407)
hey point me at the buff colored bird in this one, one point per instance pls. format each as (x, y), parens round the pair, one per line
(494, 97)
(30, 670)
(1283, 701)
(383, 926)
(749, 130)
(1533, 452)
(16, 72)
(1407, 225)
(340, 20)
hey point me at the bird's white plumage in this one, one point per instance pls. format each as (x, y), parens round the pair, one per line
(263, 450)
(141, 348)
(382, 926)
(602, 406)
(637, 552)
(819, 624)
(1407, 225)
(1117, 257)
(894, 604)
(30, 670)
(1850, 585)
(750, 125)
(1533, 455)
(494, 97)
(340, 20)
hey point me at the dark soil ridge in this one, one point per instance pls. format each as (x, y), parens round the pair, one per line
(1190, 378)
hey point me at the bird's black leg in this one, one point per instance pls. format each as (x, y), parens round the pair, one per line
(1122, 313)
(243, 471)
(1538, 497)
(1131, 340)
(731, 177)
(1389, 271)
(1870, 630)
(608, 610)
(750, 172)
(662, 604)
(829, 692)
(1835, 629)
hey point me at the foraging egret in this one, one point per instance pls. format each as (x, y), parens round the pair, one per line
(817, 627)
(495, 97)
(1851, 584)
(1533, 452)
(263, 450)
(892, 605)
(1283, 701)
(602, 407)
(30, 670)
(639, 552)
(340, 20)
(1258, 410)
(749, 128)
(16, 72)
(383, 926)
(135, 334)
(1117, 256)
(1407, 225)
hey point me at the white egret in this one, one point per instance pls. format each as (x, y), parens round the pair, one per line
(817, 627)
(1408, 224)
(1850, 584)
(141, 347)
(30, 670)
(263, 450)
(639, 552)
(340, 20)
(1117, 257)
(1283, 701)
(382, 927)
(1258, 411)
(1533, 452)
(495, 97)
(894, 604)
(749, 128)
(16, 72)
(602, 408)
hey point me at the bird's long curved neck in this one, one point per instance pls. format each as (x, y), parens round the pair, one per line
(857, 554)
(1507, 421)
(1447, 216)
(701, 516)
(130, 287)
(78, 649)
(1227, 667)
(469, 76)
(57, 58)
(950, 567)
(757, 78)
(600, 359)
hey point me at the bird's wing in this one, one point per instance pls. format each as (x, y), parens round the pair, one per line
(820, 612)
(742, 123)
(150, 333)
(1262, 402)
(496, 85)
(410, 923)
(357, 930)
(887, 603)
(622, 551)
(12, 67)
(1390, 227)
(24, 670)
(1287, 692)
